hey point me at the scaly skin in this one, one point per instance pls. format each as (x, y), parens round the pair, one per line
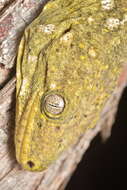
(74, 49)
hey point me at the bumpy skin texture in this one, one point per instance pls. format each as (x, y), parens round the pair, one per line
(74, 49)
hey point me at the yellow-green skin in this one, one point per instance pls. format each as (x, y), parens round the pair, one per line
(73, 50)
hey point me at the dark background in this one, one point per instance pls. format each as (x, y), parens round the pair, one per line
(104, 166)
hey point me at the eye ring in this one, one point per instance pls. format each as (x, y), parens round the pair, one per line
(53, 104)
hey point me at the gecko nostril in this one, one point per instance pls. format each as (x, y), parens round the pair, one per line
(31, 164)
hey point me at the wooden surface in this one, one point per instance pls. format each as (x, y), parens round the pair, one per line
(15, 16)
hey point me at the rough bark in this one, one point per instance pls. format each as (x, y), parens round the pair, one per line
(15, 16)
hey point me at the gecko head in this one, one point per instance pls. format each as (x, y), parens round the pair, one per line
(63, 80)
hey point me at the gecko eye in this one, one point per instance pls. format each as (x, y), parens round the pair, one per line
(53, 104)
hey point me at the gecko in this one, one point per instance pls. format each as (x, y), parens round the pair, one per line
(68, 64)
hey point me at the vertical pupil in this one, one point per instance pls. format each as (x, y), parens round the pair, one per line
(54, 104)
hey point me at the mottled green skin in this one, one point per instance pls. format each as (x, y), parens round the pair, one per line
(80, 58)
